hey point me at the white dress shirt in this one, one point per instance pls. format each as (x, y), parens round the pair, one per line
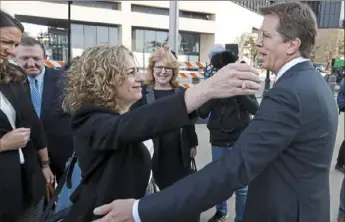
(150, 147)
(9, 111)
(286, 67)
(289, 65)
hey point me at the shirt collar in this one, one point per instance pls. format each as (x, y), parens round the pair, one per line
(289, 65)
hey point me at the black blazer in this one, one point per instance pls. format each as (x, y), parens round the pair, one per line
(284, 155)
(55, 121)
(21, 185)
(110, 145)
(189, 138)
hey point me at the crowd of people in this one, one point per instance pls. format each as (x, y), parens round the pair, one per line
(134, 137)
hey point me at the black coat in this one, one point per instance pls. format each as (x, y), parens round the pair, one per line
(188, 136)
(111, 154)
(55, 121)
(229, 118)
(21, 185)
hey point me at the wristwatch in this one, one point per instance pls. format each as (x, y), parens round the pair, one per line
(45, 163)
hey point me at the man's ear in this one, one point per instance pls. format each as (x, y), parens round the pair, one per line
(294, 46)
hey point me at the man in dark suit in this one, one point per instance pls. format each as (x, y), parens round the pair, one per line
(46, 92)
(285, 153)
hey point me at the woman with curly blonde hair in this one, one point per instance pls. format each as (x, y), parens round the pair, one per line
(113, 145)
(173, 150)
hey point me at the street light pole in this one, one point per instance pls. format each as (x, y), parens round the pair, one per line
(173, 25)
(69, 31)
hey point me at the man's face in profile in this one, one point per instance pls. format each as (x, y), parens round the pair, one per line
(271, 45)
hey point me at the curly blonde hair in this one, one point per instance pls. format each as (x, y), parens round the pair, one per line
(93, 78)
(170, 61)
(10, 73)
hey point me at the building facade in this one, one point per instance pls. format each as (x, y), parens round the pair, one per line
(139, 25)
(329, 14)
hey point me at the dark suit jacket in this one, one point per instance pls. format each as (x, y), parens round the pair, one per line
(284, 155)
(189, 138)
(21, 185)
(111, 154)
(55, 121)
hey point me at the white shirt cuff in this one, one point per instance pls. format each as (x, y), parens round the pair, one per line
(135, 211)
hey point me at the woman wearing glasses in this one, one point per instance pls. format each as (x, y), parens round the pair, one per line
(173, 150)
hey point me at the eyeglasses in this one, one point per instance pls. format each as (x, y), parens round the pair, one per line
(160, 69)
(265, 35)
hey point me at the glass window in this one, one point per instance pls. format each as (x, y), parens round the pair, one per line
(150, 40)
(138, 39)
(113, 36)
(327, 13)
(99, 4)
(149, 10)
(84, 36)
(161, 37)
(321, 20)
(102, 35)
(90, 38)
(190, 43)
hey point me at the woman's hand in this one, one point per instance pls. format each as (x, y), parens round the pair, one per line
(193, 152)
(232, 80)
(48, 175)
(15, 139)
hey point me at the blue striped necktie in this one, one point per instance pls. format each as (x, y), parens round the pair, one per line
(35, 96)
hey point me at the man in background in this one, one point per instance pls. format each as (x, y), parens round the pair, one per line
(46, 94)
(166, 47)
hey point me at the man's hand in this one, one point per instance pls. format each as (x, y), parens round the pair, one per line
(116, 211)
(48, 175)
(193, 152)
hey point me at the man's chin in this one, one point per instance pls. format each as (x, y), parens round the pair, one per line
(32, 74)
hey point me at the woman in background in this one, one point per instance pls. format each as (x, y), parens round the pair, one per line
(173, 150)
